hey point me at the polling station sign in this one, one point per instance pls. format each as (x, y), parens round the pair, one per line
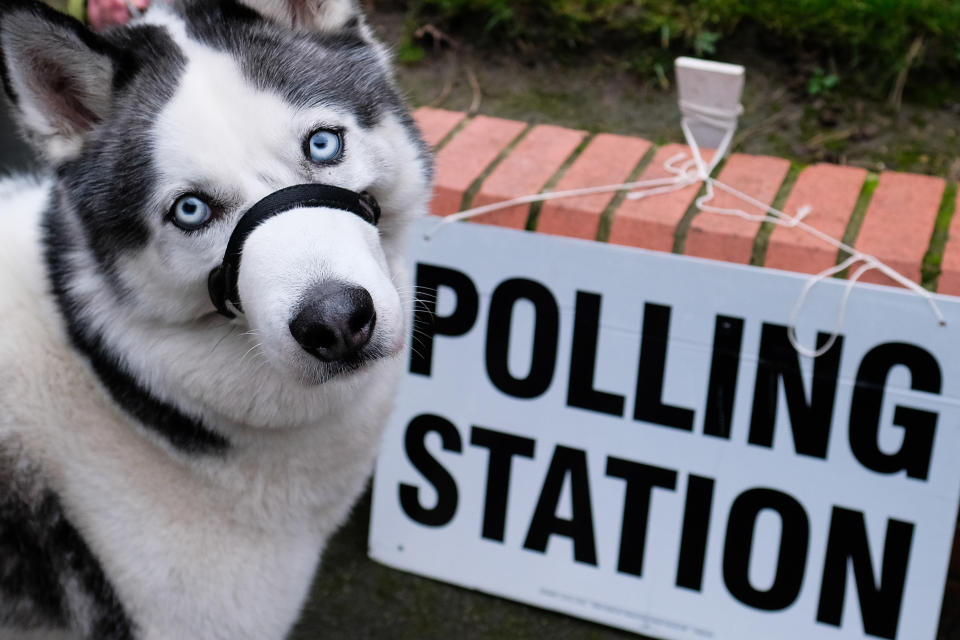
(629, 437)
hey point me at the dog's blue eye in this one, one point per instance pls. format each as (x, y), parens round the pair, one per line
(324, 146)
(190, 212)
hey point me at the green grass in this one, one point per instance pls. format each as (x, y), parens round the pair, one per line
(856, 218)
(606, 218)
(474, 188)
(683, 227)
(882, 36)
(762, 241)
(930, 272)
(451, 134)
(534, 217)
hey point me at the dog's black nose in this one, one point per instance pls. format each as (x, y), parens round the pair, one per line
(336, 321)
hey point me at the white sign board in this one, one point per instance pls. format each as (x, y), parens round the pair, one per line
(628, 437)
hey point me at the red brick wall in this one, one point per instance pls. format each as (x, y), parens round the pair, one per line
(897, 226)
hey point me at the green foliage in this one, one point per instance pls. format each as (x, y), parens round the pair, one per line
(821, 82)
(705, 43)
(573, 22)
(932, 261)
(410, 52)
(875, 34)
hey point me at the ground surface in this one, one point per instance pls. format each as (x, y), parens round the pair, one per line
(356, 598)
(601, 92)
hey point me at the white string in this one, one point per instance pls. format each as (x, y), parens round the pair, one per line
(841, 313)
(681, 178)
(696, 169)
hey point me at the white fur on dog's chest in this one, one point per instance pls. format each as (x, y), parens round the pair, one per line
(234, 556)
(229, 541)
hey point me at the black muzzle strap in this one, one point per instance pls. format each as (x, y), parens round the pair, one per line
(222, 282)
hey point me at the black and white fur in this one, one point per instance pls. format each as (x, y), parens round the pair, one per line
(166, 473)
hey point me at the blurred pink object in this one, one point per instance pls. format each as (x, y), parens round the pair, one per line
(107, 13)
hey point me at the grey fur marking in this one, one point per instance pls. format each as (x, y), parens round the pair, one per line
(49, 578)
(306, 68)
(107, 188)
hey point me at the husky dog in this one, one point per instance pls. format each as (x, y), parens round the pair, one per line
(167, 472)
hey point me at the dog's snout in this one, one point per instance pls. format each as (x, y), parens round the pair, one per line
(336, 321)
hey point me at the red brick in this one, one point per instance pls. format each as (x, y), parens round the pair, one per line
(832, 193)
(525, 171)
(651, 222)
(950, 276)
(436, 123)
(899, 222)
(608, 159)
(729, 237)
(465, 158)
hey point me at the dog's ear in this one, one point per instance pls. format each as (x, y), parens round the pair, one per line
(58, 75)
(325, 16)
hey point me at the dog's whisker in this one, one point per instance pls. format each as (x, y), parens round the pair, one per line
(220, 341)
(419, 335)
(423, 305)
(418, 339)
(251, 349)
(415, 352)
